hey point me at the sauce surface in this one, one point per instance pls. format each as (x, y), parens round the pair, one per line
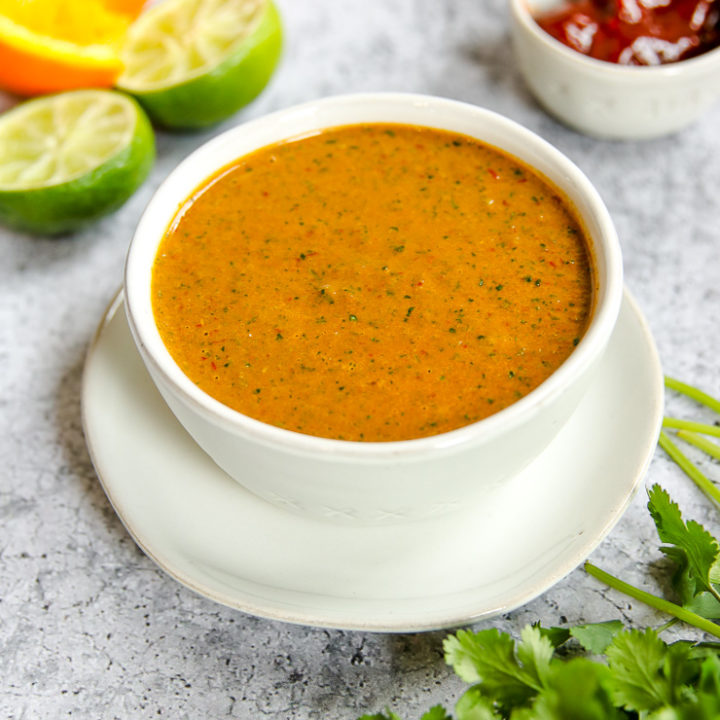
(636, 32)
(373, 282)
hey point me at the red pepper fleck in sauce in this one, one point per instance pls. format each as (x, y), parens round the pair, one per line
(636, 32)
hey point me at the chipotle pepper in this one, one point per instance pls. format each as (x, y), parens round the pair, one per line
(636, 32)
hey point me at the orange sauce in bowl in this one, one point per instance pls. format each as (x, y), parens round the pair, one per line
(373, 282)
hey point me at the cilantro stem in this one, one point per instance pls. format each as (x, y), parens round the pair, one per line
(653, 601)
(711, 448)
(702, 428)
(689, 468)
(693, 392)
(667, 625)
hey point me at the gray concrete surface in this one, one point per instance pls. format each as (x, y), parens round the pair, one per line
(89, 626)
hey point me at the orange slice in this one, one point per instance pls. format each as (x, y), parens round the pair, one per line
(54, 45)
(127, 7)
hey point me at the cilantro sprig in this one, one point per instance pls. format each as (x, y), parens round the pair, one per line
(624, 673)
(695, 553)
(642, 676)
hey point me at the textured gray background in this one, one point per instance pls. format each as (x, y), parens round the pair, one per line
(89, 626)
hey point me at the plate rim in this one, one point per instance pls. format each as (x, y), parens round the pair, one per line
(440, 619)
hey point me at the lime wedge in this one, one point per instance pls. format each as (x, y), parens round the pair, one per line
(192, 63)
(67, 159)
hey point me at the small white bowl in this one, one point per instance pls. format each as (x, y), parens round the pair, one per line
(604, 99)
(391, 481)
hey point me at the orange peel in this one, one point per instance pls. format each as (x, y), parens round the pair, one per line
(50, 46)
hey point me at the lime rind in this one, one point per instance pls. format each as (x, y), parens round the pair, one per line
(213, 95)
(52, 209)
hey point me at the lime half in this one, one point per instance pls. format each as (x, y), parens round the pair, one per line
(192, 63)
(70, 158)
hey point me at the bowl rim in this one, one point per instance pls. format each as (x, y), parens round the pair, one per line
(520, 10)
(167, 373)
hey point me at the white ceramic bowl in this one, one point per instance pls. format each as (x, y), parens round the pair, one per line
(374, 482)
(608, 100)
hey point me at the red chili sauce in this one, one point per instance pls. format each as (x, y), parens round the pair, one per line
(636, 32)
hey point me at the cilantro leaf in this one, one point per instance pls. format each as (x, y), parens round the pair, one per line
(715, 570)
(577, 691)
(637, 661)
(704, 604)
(595, 637)
(678, 668)
(460, 651)
(522, 714)
(473, 705)
(690, 546)
(704, 702)
(535, 653)
(438, 712)
(488, 659)
(556, 635)
(707, 648)
(710, 675)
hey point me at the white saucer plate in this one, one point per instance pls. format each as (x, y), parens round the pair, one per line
(225, 543)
